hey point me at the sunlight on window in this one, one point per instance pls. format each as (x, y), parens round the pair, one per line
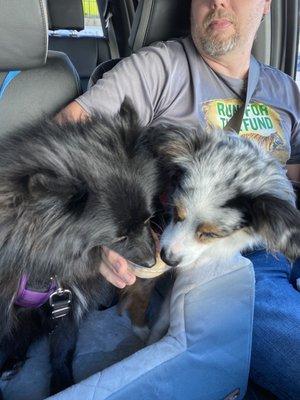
(92, 20)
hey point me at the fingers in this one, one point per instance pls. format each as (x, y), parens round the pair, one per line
(111, 276)
(114, 268)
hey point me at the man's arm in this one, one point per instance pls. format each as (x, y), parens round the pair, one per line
(293, 172)
(73, 112)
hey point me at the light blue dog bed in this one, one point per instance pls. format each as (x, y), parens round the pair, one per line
(205, 355)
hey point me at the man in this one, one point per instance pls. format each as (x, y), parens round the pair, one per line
(205, 79)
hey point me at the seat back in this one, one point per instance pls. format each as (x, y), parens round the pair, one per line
(101, 69)
(84, 51)
(67, 14)
(47, 81)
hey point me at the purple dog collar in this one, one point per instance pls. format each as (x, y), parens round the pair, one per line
(30, 298)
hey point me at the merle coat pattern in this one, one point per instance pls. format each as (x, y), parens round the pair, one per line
(228, 195)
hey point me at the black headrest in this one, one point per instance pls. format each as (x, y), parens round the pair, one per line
(159, 20)
(66, 14)
(23, 34)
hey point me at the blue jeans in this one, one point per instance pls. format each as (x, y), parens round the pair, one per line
(275, 363)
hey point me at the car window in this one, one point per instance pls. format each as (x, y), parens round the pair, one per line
(298, 68)
(92, 22)
(298, 65)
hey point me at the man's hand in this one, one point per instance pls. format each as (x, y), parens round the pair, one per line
(293, 172)
(114, 268)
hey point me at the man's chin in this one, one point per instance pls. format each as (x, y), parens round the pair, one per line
(218, 46)
(221, 37)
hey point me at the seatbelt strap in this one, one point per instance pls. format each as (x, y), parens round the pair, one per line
(236, 120)
(112, 39)
(8, 78)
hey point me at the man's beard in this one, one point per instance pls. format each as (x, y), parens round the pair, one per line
(216, 48)
(210, 44)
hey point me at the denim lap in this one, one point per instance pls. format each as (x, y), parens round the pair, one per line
(275, 363)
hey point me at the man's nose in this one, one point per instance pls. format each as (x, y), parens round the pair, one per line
(218, 3)
(169, 258)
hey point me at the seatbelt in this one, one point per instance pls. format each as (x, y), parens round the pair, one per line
(112, 39)
(8, 78)
(236, 120)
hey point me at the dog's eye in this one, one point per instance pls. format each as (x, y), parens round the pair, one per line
(119, 239)
(206, 235)
(211, 235)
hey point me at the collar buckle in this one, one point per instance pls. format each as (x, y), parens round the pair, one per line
(60, 302)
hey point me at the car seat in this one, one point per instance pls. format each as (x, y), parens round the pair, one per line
(45, 81)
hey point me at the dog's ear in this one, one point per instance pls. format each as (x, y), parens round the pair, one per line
(43, 186)
(171, 144)
(128, 115)
(278, 223)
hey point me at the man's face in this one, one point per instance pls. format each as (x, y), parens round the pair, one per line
(220, 26)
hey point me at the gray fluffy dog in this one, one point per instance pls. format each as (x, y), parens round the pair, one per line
(64, 192)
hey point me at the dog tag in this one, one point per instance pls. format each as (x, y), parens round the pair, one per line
(60, 302)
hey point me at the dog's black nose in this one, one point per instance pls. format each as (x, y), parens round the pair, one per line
(150, 262)
(169, 259)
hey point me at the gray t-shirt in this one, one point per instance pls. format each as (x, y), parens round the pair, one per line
(169, 82)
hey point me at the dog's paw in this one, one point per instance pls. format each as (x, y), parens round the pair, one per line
(153, 338)
(142, 332)
(156, 335)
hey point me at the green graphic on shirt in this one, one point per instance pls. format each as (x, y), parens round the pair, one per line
(256, 116)
(260, 123)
